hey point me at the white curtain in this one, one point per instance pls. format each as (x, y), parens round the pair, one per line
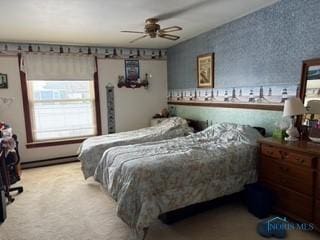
(55, 66)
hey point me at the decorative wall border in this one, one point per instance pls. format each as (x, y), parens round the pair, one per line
(101, 52)
(257, 97)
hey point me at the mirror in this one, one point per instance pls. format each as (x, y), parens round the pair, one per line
(310, 93)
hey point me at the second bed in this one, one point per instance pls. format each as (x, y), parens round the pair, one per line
(91, 150)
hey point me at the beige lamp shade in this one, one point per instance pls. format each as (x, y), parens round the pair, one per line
(313, 107)
(293, 107)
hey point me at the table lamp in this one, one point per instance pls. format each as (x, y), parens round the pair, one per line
(293, 107)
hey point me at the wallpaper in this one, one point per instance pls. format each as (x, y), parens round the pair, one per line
(265, 47)
(106, 52)
(265, 95)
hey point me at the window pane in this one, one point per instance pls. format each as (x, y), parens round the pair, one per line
(55, 90)
(62, 109)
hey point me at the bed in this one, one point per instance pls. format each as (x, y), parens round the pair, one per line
(92, 149)
(149, 179)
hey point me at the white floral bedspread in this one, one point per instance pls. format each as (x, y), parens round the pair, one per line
(92, 149)
(153, 178)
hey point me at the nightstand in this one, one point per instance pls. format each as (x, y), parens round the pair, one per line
(291, 170)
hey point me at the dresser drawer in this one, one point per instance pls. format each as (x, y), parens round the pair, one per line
(287, 175)
(270, 151)
(285, 155)
(291, 202)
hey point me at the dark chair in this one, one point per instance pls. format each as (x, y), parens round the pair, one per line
(11, 170)
(14, 169)
(3, 212)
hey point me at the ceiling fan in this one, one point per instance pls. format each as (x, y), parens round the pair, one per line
(153, 30)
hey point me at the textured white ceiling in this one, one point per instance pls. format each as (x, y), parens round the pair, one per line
(98, 22)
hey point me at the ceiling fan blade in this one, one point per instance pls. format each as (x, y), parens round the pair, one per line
(170, 29)
(134, 40)
(185, 9)
(169, 36)
(133, 32)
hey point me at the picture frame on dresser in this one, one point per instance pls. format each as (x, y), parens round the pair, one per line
(205, 70)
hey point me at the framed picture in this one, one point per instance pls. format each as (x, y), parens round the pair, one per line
(205, 66)
(132, 70)
(3, 80)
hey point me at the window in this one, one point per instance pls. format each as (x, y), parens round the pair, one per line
(60, 98)
(61, 109)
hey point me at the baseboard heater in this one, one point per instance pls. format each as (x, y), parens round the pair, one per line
(49, 162)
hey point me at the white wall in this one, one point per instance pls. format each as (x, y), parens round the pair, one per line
(134, 107)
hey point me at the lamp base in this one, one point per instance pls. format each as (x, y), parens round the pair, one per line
(293, 133)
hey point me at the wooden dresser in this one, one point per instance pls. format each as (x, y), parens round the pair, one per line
(292, 172)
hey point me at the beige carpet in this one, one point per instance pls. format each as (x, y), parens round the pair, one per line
(59, 204)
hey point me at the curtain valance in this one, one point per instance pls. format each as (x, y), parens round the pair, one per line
(55, 66)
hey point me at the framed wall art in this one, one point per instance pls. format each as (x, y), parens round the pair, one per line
(132, 70)
(3, 80)
(205, 71)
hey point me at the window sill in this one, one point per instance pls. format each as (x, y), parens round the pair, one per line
(55, 142)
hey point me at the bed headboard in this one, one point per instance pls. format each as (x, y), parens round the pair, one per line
(197, 125)
(261, 130)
